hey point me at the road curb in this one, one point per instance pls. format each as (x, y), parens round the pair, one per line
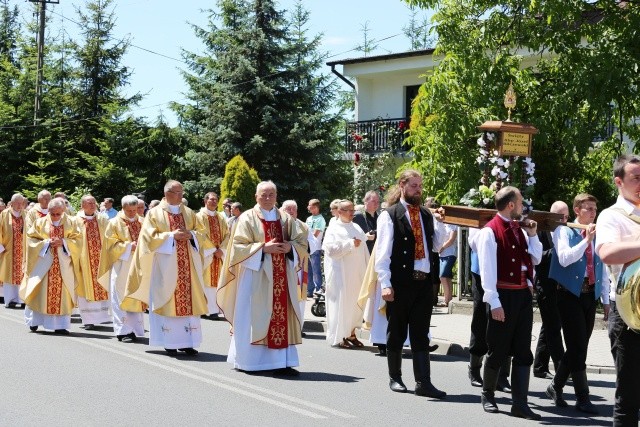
(445, 348)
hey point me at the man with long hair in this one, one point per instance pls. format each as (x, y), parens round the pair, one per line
(405, 264)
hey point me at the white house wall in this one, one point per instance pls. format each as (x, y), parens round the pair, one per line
(383, 96)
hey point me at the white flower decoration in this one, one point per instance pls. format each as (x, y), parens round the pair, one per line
(490, 136)
(486, 200)
(503, 175)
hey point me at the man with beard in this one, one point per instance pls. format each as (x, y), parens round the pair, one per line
(406, 264)
(506, 259)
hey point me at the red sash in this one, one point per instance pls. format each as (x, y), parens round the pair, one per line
(17, 225)
(54, 282)
(182, 293)
(216, 236)
(278, 334)
(134, 229)
(94, 246)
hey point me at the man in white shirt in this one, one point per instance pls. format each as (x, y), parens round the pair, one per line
(619, 243)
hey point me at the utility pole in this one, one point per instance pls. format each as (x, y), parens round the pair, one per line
(40, 41)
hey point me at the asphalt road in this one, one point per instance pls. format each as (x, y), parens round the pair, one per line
(91, 379)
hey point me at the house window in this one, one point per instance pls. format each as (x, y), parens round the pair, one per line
(410, 92)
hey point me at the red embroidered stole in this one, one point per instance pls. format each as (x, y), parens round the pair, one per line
(182, 293)
(41, 214)
(216, 236)
(134, 228)
(278, 334)
(54, 283)
(17, 224)
(94, 246)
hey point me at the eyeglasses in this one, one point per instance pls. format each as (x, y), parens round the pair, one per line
(175, 192)
(347, 210)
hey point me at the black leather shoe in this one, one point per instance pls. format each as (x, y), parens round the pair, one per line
(171, 351)
(189, 351)
(129, 337)
(61, 332)
(427, 389)
(382, 350)
(286, 372)
(12, 305)
(475, 377)
(556, 396)
(89, 327)
(543, 374)
(433, 348)
(33, 328)
(523, 411)
(503, 385)
(488, 401)
(396, 384)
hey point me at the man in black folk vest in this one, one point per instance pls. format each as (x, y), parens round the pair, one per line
(506, 258)
(405, 265)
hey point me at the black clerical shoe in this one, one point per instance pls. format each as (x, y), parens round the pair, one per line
(128, 338)
(286, 372)
(12, 305)
(61, 332)
(433, 348)
(171, 351)
(89, 327)
(33, 328)
(189, 351)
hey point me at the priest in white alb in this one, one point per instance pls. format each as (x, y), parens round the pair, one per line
(258, 290)
(216, 230)
(12, 240)
(167, 274)
(121, 238)
(52, 256)
(93, 297)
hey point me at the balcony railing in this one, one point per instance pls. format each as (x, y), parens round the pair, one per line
(372, 136)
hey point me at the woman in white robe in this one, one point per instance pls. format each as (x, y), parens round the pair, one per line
(347, 256)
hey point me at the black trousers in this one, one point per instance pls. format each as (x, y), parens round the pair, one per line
(625, 347)
(550, 338)
(478, 340)
(513, 336)
(577, 315)
(411, 306)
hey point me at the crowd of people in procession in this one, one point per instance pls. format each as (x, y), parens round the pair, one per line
(256, 269)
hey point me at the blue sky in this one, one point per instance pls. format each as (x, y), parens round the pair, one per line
(162, 26)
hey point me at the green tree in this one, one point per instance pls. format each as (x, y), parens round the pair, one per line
(96, 104)
(258, 91)
(239, 183)
(574, 68)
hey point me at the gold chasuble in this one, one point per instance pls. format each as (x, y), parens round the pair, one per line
(177, 287)
(217, 232)
(275, 310)
(119, 233)
(33, 215)
(49, 283)
(93, 253)
(12, 237)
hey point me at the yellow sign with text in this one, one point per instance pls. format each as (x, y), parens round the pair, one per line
(515, 144)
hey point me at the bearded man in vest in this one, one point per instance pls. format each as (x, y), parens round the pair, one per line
(507, 255)
(406, 266)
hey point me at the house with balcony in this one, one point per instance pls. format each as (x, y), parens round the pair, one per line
(385, 86)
